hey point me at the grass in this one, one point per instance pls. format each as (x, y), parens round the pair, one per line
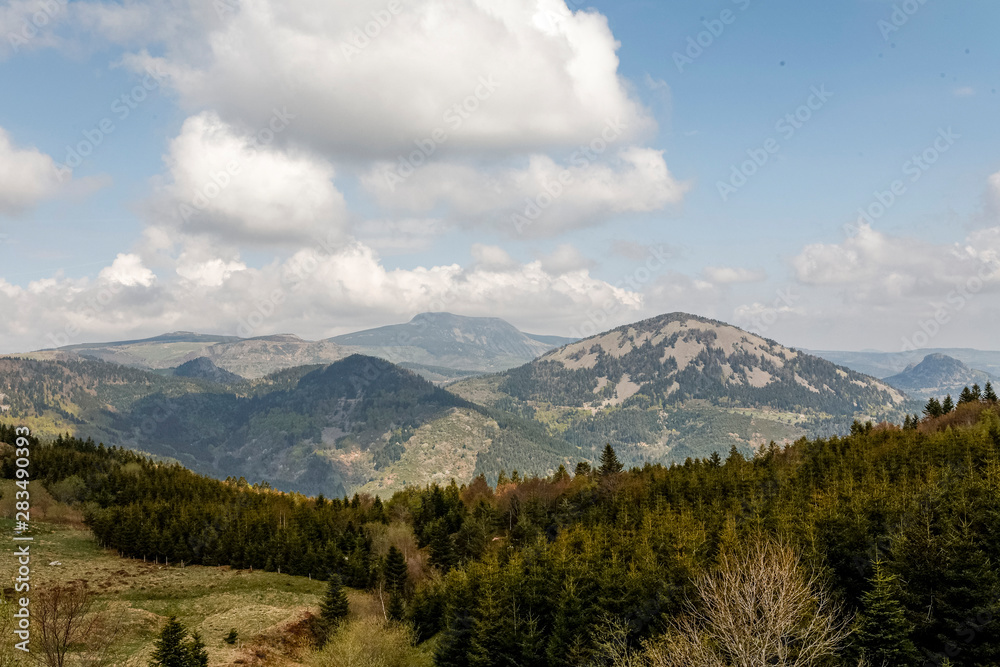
(267, 609)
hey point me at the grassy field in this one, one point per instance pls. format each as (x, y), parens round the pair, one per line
(267, 609)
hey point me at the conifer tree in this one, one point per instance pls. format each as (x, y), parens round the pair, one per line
(933, 408)
(442, 548)
(170, 649)
(333, 609)
(395, 570)
(948, 405)
(609, 462)
(582, 468)
(197, 656)
(882, 632)
(396, 611)
(965, 396)
(989, 395)
(977, 393)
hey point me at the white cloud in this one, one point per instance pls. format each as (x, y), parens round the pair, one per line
(236, 186)
(565, 259)
(726, 275)
(881, 267)
(555, 71)
(316, 293)
(27, 176)
(128, 270)
(546, 197)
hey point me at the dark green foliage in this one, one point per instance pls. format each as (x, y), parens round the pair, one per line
(395, 570)
(933, 408)
(531, 572)
(947, 405)
(989, 395)
(882, 632)
(332, 610)
(610, 464)
(173, 650)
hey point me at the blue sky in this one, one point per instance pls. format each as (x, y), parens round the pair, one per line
(309, 235)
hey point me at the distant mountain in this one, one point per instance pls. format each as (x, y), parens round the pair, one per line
(452, 341)
(679, 385)
(937, 375)
(358, 424)
(203, 368)
(257, 357)
(885, 364)
(439, 346)
(164, 351)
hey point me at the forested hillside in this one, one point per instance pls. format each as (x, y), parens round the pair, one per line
(360, 423)
(679, 385)
(888, 533)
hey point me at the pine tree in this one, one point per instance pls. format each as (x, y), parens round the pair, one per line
(197, 656)
(333, 609)
(882, 633)
(965, 396)
(582, 469)
(609, 462)
(442, 548)
(933, 408)
(396, 609)
(977, 393)
(989, 395)
(948, 405)
(170, 649)
(395, 570)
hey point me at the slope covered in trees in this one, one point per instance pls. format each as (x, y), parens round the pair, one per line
(891, 529)
(358, 423)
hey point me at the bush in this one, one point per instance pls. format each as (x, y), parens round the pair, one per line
(371, 642)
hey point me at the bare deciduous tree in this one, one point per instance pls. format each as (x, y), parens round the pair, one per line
(66, 618)
(761, 606)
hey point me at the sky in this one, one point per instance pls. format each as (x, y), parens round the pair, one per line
(824, 174)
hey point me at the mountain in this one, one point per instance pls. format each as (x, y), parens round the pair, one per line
(442, 347)
(203, 368)
(937, 375)
(164, 351)
(452, 341)
(885, 364)
(679, 385)
(359, 424)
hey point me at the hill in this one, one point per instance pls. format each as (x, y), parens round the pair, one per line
(442, 347)
(885, 364)
(452, 341)
(603, 563)
(937, 375)
(204, 369)
(358, 424)
(679, 385)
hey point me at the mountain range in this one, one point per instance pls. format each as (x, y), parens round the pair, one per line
(439, 346)
(664, 389)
